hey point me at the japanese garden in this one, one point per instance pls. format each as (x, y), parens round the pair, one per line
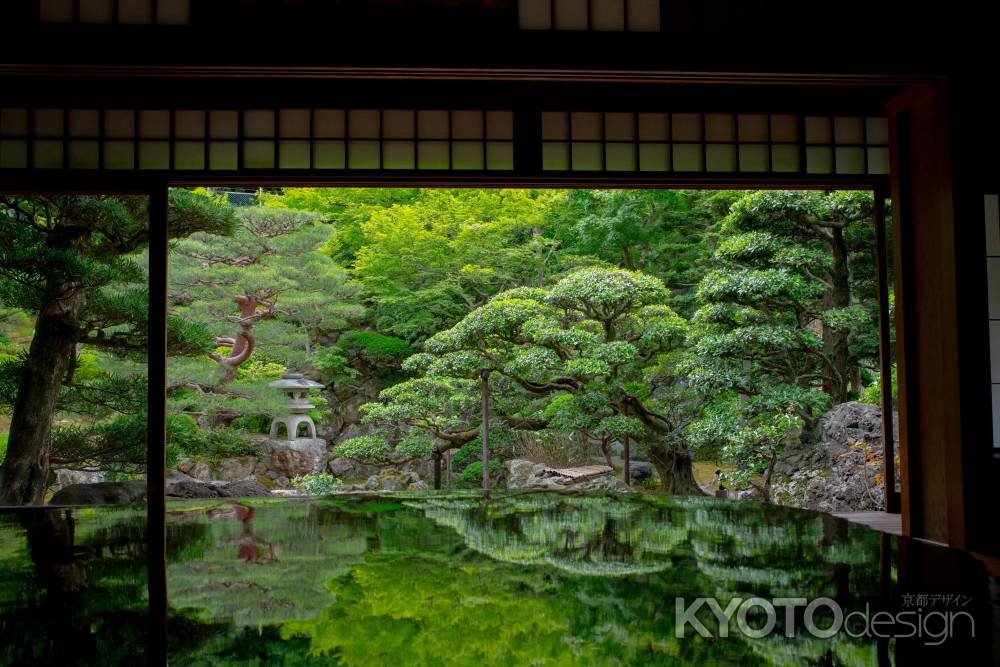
(707, 332)
(430, 426)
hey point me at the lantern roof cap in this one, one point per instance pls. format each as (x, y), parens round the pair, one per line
(294, 381)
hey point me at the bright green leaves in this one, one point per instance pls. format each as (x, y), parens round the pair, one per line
(620, 426)
(425, 258)
(500, 319)
(615, 353)
(532, 363)
(368, 448)
(606, 294)
(376, 348)
(784, 318)
(851, 318)
(587, 367)
(750, 286)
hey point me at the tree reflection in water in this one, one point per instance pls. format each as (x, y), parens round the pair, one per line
(373, 580)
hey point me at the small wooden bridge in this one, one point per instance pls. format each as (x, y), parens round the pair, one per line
(579, 472)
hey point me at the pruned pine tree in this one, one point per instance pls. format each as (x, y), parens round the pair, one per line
(268, 296)
(595, 352)
(75, 263)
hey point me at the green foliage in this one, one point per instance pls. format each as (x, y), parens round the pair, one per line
(425, 258)
(188, 439)
(374, 347)
(118, 445)
(620, 426)
(576, 356)
(226, 442)
(668, 233)
(872, 394)
(272, 260)
(317, 485)
(784, 319)
(472, 475)
(97, 243)
(333, 366)
(252, 424)
(259, 369)
(464, 454)
(10, 379)
(3, 446)
(183, 431)
(756, 446)
(367, 448)
(362, 353)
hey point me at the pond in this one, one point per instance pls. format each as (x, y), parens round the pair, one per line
(521, 579)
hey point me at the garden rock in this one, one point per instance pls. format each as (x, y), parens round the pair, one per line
(348, 469)
(66, 477)
(521, 473)
(200, 470)
(101, 493)
(394, 480)
(391, 484)
(180, 485)
(244, 488)
(227, 470)
(839, 467)
(292, 458)
(235, 469)
(842, 425)
(641, 470)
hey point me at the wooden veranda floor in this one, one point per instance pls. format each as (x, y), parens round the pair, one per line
(883, 521)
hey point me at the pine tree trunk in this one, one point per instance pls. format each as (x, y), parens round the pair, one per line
(675, 471)
(835, 341)
(25, 472)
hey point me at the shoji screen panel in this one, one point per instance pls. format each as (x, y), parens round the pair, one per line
(122, 12)
(697, 142)
(257, 139)
(595, 15)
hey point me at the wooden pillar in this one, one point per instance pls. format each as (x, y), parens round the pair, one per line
(437, 469)
(626, 472)
(485, 375)
(927, 332)
(156, 452)
(891, 497)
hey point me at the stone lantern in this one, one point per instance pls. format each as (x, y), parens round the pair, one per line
(296, 388)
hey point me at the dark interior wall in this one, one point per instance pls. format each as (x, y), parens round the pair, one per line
(975, 147)
(695, 36)
(728, 55)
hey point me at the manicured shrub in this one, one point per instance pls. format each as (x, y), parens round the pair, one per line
(472, 476)
(252, 424)
(376, 348)
(317, 485)
(186, 438)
